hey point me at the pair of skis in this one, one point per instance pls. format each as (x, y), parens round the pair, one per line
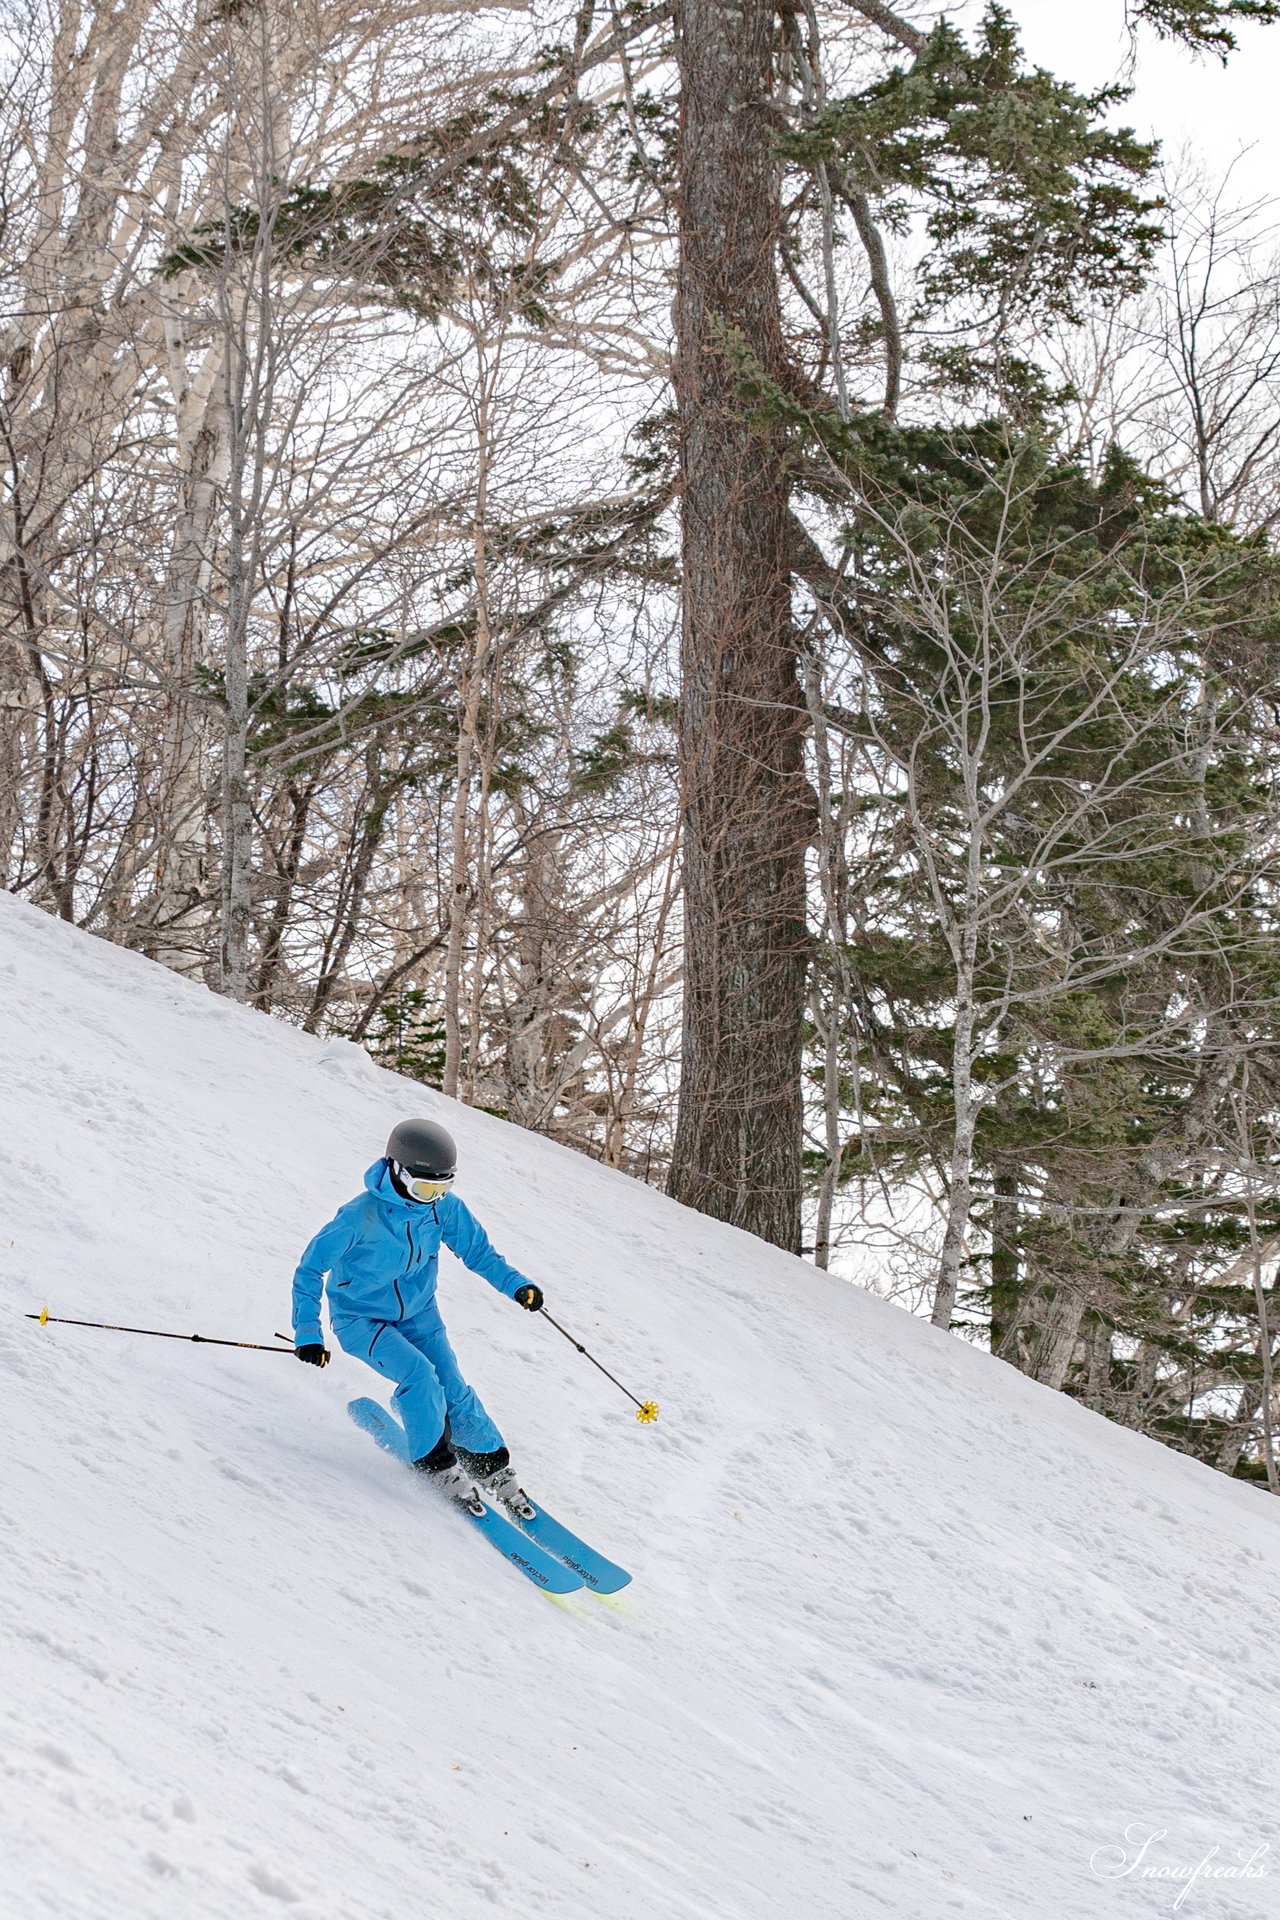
(543, 1550)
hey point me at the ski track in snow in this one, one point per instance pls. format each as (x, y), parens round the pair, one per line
(909, 1636)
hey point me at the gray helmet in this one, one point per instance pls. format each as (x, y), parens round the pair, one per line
(424, 1148)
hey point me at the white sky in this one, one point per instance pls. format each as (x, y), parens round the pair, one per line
(1226, 114)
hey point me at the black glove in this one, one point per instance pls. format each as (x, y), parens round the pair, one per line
(530, 1297)
(314, 1356)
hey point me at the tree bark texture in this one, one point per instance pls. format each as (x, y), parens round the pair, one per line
(746, 805)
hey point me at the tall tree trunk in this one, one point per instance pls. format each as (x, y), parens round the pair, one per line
(826, 1026)
(459, 899)
(175, 920)
(361, 844)
(296, 803)
(237, 807)
(960, 1172)
(746, 805)
(829, 1014)
(471, 694)
(1006, 1288)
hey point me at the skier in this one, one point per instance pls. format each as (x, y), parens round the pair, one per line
(380, 1253)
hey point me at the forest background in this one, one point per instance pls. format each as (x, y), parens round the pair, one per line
(701, 578)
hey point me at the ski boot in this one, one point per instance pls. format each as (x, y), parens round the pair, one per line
(497, 1476)
(445, 1471)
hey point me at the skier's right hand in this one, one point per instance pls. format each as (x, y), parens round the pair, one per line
(314, 1356)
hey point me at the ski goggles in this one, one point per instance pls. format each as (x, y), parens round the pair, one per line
(422, 1189)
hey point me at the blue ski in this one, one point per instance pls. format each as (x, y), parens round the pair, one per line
(519, 1549)
(601, 1575)
(594, 1571)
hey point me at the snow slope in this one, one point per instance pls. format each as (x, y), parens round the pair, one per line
(909, 1635)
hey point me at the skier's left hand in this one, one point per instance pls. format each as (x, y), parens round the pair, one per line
(314, 1356)
(529, 1297)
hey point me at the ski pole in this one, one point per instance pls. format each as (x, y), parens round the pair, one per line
(48, 1319)
(648, 1408)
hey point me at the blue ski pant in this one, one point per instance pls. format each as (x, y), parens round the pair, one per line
(430, 1389)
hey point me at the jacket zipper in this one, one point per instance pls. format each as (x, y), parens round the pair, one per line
(395, 1283)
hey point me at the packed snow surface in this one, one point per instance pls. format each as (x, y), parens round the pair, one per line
(908, 1636)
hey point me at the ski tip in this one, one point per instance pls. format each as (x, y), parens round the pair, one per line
(543, 1569)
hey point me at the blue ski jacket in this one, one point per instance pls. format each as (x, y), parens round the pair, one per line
(381, 1254)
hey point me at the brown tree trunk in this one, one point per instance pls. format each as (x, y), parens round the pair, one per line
(1005, 1263)
(747, 808)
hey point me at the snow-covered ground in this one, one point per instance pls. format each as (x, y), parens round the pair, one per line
(909, 1636)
